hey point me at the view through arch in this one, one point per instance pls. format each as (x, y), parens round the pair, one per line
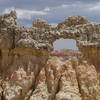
(65, 44)
(65, 48)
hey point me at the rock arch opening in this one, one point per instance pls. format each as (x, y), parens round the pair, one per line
(65, 48)
(65, 44)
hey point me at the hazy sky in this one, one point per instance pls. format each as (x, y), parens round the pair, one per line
(52, 11)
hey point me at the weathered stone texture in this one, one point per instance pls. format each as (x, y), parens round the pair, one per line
(27, 72)
(41, 35)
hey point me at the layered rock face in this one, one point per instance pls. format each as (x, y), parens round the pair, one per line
(27, 72)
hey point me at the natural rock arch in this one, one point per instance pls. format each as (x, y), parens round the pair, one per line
(38, 39)
(25, 69)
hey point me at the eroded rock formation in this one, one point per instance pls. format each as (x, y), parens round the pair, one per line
(27, 72)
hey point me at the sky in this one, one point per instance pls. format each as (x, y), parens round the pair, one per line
(52, 11)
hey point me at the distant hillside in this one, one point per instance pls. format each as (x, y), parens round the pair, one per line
(66, 53)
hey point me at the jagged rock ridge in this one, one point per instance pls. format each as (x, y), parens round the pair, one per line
(28, 73)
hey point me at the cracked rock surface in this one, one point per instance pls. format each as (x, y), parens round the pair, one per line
(28, 72)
